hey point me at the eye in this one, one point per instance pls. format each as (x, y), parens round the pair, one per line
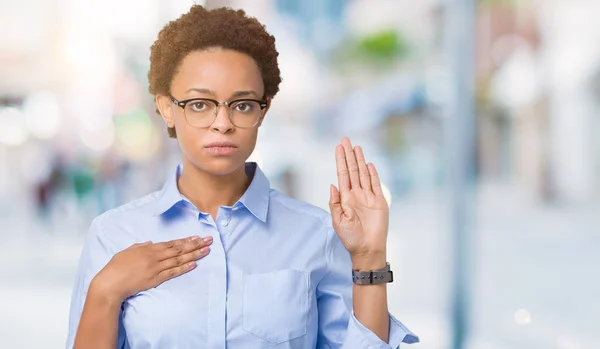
(198, 106)
(244, 107)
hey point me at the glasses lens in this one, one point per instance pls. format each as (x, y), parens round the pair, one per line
(200, 112)
(245, 113)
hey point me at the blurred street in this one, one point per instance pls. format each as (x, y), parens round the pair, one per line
(541, 260)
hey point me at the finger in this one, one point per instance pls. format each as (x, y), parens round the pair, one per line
(335, 202)
(185, 258)
(174, 272)
(363, 171)
(182, 246)
(375, 183)
(160, 246)
(342, 169)
(140, 244)
(351, 162)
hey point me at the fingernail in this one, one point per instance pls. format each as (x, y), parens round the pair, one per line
(207, 239)
(191, 265)
(204, 249)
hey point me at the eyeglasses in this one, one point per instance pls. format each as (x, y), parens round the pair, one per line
(202, 112)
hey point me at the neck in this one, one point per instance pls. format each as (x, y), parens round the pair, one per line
(208, 191)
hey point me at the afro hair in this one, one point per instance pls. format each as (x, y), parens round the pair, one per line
(200, 29)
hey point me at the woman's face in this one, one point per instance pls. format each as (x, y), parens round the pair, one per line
(221, 75)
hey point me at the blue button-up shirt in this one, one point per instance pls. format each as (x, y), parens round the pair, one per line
(277, 275)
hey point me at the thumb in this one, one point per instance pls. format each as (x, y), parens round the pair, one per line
(335, 201)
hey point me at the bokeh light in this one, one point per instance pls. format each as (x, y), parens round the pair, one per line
(522, 317)
(13, 131)
(42, 114)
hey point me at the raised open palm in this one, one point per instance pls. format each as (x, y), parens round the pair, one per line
(359, 210)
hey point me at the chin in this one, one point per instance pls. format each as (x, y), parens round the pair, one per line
(218, 166)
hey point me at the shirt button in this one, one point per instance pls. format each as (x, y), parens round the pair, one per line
(224, 223)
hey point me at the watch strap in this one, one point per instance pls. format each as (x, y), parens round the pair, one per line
(373, 277)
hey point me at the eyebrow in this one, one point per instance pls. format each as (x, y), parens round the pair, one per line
(236, 94)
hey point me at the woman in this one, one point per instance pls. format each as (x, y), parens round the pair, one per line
(216, 258)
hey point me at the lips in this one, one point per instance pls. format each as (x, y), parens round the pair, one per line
(221, 148)
(221, 145)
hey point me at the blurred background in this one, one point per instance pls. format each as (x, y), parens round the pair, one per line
(501, 258)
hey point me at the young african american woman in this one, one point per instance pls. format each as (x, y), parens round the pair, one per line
(216, 258)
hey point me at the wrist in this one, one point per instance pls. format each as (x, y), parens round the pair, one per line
(99, 292)
(369, 261)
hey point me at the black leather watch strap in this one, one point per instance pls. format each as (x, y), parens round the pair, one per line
(373, 277)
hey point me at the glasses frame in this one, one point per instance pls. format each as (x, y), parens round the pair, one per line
(263, 104)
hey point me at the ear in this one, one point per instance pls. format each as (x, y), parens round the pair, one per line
(164, 103)
(265, 111)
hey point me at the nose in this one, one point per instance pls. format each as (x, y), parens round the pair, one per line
(222, 123)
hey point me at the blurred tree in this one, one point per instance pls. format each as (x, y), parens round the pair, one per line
(384, 45)
(380, 50)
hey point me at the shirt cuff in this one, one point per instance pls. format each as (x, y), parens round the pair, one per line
(358, 333)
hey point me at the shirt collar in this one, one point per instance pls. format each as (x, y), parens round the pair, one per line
(255, 199)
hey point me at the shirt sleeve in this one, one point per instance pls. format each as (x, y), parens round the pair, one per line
(338, 327)
(96, 253)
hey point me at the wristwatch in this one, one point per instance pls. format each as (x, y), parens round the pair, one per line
(373, 277)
